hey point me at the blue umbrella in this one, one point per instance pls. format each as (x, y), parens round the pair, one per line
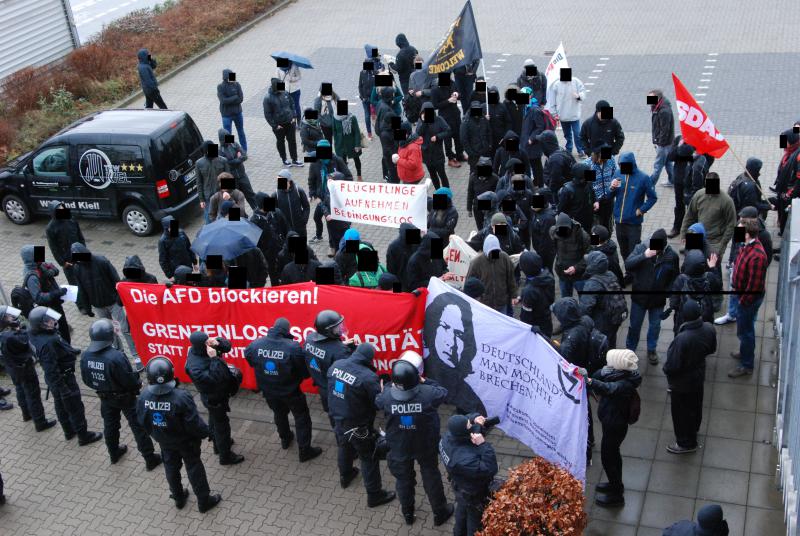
(227, 238)
(300, 61)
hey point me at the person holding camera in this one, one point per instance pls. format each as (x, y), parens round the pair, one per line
(412, 430)
(216, 383)
(353, 386)
(471, 465)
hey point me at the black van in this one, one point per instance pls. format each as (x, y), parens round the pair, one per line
(133, 164)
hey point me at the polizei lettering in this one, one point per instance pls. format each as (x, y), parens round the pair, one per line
(406, 408)
(271, 354)
(315, 351)
(157, 406)
(346, 377)
(96, 365)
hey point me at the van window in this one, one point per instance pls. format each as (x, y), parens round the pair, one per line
(101, 165)
(51, 162)
(177, 145)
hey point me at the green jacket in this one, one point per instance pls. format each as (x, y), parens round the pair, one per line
(345, 144)
(717, 213)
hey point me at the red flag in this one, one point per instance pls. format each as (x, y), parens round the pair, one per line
(696, 127)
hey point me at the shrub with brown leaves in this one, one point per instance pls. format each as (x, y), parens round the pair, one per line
(538, 499)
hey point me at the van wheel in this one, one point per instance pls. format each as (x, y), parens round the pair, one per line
(138, 220)
(16, 209)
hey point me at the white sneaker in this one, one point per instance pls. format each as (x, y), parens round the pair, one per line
(724, 319)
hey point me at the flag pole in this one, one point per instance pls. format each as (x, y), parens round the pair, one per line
(747, 171)
(483, 68)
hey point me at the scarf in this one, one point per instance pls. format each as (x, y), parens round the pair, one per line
(347, 123)
(788, 152)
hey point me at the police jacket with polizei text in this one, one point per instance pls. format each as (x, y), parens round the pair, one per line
(279, 363)
(412, 426)
(321, 352)
(211, 376)
(352, 388)
(171, 418)
(15, 348)
(109, 371)
(470, 467)
(55, 355)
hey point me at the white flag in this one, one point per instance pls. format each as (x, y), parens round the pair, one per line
(559, 60)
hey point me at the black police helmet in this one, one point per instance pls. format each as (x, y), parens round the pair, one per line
(101, 334)
(327, 320)
(160, 375)
(9, 316)
(405, 380)
(38, 316)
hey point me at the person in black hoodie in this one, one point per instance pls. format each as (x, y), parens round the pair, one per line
(681, 154)
(310, 131)
(285, 256)
(500, 121)
(543, 217)
(576, 198)
(279, 113)
(501, 226)
(597, 131)
(576, 331)
(292, 201)
(654, 272)
(533, 124)
(62, 231)
(399, 252)
(519, 197)
(699, 275)
(433, 135)
(745, 190)
(174, 249)
(512, 167)
(40, 280)
(255, 265)
(483, 179)
(695, 177)
(475, 134)
(421, 266)
(534, 79)
(515, 111)
(147, 78)
(404, 60)
(133, 271)
(600, 279)
(236, 155)
(274, 229)
(558, 167)
(538, 293)
(444, 99)
(319, 173)
(686, 374)
(383, 128)
(608, 247)
(508, 148)
(443, 222)
(230, 95)
(490, 204)
(571, 243)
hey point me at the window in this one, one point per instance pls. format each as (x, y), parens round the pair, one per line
(51, 162)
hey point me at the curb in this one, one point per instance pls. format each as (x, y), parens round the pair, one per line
(212, 48)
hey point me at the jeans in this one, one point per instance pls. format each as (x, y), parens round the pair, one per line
(296, 98)
(653, 327)
(746, 331)
(572, 129)
(367, 119)
(567, 286)
(661, 162)
(237, 120)
(687, 414)
(733, 299)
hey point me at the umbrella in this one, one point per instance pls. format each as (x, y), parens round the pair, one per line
(300, 61)
(227, 238)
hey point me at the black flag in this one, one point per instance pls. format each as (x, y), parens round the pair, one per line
(459, 46)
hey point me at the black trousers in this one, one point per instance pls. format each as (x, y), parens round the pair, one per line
(680, 207)
(70, 412)
(610, 455)
(687, 414)
(296, 404)
(389, 167)
(220, 426)
(152, 97)
(336, 230)
(357, 162)
(283, 135)
(359, 445)
(605, 215)
(26, 385)
(438, 174)
(244, 186)
(112, 409)
(403, 471)
(454, 140)
(538, 172)
(189, 454)
(628, 235)
(467, 517)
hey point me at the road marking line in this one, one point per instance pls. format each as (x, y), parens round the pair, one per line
(594, 77)
(700, 94)
(700, 102)
(705, 80)
(501, 59)
(588, 91)
(589, 84)
(713, 54)
(702, 87)
(600, 65)
(491, 72)
(709, 67)
(597, 71)
(707, 74)
(712, 61)
(496, 66)
(604, 59)
(506, 54)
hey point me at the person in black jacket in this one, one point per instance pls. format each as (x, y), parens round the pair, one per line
(385, 130)
(279, 113)
(170, 416)
(323, 347)
(230, 95)
(533, 124)
(597, 131)
(509, 148)
(444, 99)
(571, 243)
(310, 131)
(318, 174)
(557, 169)
(501, 226)
(698, 281)
(255, 265)
(500, 121)
(366, 83)
(475, 134)
(663, 128)
(576, 331)
(40, 280)
(174, 248)
(400, 250)
(617, 383)
(353, 386)
(443, 221)
(576, 198)
(296, 272)
(274, 229)
(481, 180)
(710, 522)
(16, 354)
(108, 372)
(433, 134)
(515, 110)
(695, 177)
(412, 430)
(133, 271)
(422, 266)
(534, 79)
(600, 279)
(294, 204)
(608, 247)
(745, 190)
(653, 271)
(57, 358)
(471, 465)
(404, 60)
(236, 156)
(280, 366)
(685, 369)
(147, 78)
(538, 292)
(286, 256)
(681, 155)
(543, 217)
(216, 384)
(522, 198)
(62, 231)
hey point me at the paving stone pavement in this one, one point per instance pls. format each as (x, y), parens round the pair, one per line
(57, 488)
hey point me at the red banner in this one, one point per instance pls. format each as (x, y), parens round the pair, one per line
(696, 127)
(161, 319)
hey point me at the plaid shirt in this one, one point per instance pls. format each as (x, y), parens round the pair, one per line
(603, 176)
(750, 271)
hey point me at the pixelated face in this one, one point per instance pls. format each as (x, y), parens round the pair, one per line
(450, 336)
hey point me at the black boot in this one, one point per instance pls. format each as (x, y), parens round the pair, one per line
(152, 461)
(286, 442)
(231, 459)
(382, 497)
(409, 517)
(69, 435)
(87, 438)
(210, 502)
(25, 417)
(118, 453)
(613, 498)
(345, 481)
(440, 518)
(309, 453)
(44, 425)
(180, 502)
(605, 487)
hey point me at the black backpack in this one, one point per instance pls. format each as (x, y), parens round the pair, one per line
(599, 349)
(704, 300)
(635, 408)
(22, 299)
(615, 307)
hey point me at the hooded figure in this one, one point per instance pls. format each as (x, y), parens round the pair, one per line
(485, 206)
(230, 96)
(481, 180)
(310, 131)
(97, 278)
(134, 271)
(496, 271)
(572, 243)
(536, 81)
(533, 124)
(348, 262)
(208, 170)
(400, 250)
(510, 147)
(443, 221)
(710, 522)
(500, 121)
(600, 279)
(40, 280)
(513, 167)
(745, 190)
(408, 158)
(576, 334)
(608, 248)
(236, 155)
(279, 112)
(274, 228)
(538, 292)
(147, 79)
(652, 275)
(476, 134)
(432, 151)
(421, 266)
(596, 131)
(174, 250)
(558, 167)
(577, 199)
(696, 277)
(404, 60)
(62, 231)
(285, 256)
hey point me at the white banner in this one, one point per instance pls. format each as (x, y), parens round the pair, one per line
(458, 255)
(495, 365)
(378, 203)
(559, 60)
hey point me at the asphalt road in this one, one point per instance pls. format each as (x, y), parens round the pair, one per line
(91, 15)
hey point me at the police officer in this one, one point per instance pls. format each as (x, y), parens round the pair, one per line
(216, 383)
(412, 429)
(352, 388)
(323, 348)
(280, 366)
(17, 355)
(471, 465)
(170, 416)
(57, 358)
(106, 370)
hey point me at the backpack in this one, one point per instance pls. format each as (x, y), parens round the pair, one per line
(549, 121)
(615, 307)
(634, 408)
(705, 301)
(599, 348)
(22, 299)
(366, 279)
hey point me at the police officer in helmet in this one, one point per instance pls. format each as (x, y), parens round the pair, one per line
(412, 429)
(17, 356)
(107, 370)
(57, 358)
(170, 416)
(216, 383)
(471, 465)
(324, 347)
(352, 388)
(280, 366)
